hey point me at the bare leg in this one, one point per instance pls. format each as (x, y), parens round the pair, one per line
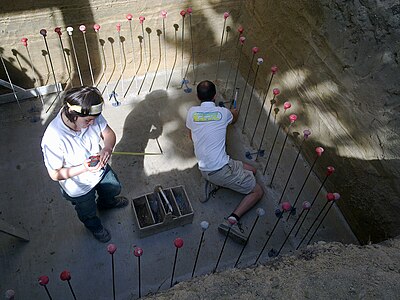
(249, 201)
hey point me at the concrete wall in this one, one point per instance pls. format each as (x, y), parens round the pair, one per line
(338, 60)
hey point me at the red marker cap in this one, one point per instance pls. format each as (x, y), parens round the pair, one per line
(178, 242)
(65, 275)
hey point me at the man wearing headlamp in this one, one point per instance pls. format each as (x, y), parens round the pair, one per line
(74, 157)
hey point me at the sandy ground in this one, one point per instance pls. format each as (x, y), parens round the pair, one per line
(320, 271)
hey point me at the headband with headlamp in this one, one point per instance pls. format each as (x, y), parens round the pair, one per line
(94, 109)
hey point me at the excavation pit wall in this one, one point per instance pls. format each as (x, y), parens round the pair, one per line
(338, 65)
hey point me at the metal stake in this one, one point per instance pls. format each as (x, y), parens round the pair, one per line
(226, 15)
(66, 276)
(138, 253)
(70, 30)
(129, 18)
(240, 30)
(164, 16)
(148, 65)
(178, 244)
(111, 248)
(306, 135)
(241, 40)
(58, 31)
(259, 62)
(189, 11)
(43, 281)
(176, 54)
(254, 50)
(82, 28)
(183, 13)
(204, 226)
(103, 62)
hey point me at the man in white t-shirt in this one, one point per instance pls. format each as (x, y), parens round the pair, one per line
(207, 125)
(73, 157)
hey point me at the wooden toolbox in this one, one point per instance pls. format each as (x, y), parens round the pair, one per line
(153, 214)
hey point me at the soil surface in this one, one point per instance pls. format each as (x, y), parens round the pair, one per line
(320, 271)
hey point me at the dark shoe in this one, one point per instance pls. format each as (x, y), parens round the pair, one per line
(235, 233)
(102, 235)
(120, 201)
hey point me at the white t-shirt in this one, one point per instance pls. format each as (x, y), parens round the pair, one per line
(63, 147)
(208, 124)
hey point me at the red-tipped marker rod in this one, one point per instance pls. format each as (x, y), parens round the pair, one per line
(66, 276)
(240, 32)
(330, 171)
(285, 207)
(43, 32)
(103, 61)
(182, 13)
(286, 106)
(337, 197)
(266, 125)
(164, 16)
(111, 248)
(226, 16)
(59, 33)
(259, 62)
(329, 198)
(43, 281)
(275, 93)
(241, 40)
(306, 133)
(138, 252)
(178, 242)
(292, 119)
(254, 50)
(189, 11)
(175, 57)
(306, 207)
(319, 151)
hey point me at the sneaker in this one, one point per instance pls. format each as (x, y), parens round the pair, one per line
(210, 191)
(236, 232)
(120, 201)
(102, 235)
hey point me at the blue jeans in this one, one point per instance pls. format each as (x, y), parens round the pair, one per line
(85, 206)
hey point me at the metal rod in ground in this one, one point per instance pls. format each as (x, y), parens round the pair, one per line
(164, 16)
(70, 30)
(58, 31)
(226, 16)
(292, 119)
(66, 276)
(43, 281)
(286, 106)
(285, 206)
(337, 197)
(204, 226)
(121, 57)
(159, 59)
(329, 197)
(141, 21)
(25, 43)
(240, 30)
(254, 50)
(231, 223)
(241, 40)
(259, 62)
(189, 11)
(148, 65)
(111, 248)
(82, 28)
(183, 13)
(129, 18)
(306, 207)
(137, 70)
(176, 55)
(138, 253)
(306, 133)
(260, 213)
(276, 92)
(319, 151)
(43, 32)
(11, 84)
(178, 242)
(103, 62)
(330, 171)
(266, 126)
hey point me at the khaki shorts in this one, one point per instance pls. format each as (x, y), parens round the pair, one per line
(232, 176)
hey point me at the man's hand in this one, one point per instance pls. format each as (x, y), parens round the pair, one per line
(235, 114)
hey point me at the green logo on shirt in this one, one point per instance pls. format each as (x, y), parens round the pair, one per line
(207, 116)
